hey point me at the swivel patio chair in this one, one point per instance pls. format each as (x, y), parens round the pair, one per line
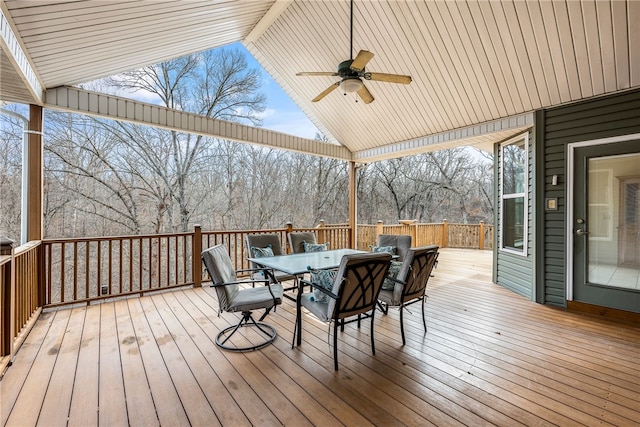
(234, 298)
(410, 284)
(351, 291)
(297, 241)
(258, 245)
(401, 243)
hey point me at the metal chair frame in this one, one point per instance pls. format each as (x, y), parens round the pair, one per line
(421, 262)
(217, 273)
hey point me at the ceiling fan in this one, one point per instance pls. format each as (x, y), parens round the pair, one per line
(351, 73)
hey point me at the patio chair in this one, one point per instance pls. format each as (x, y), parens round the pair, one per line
(297, 241)
(256, 245)
(410, 284)
(401, 243)
(234, 298)
(351, 291)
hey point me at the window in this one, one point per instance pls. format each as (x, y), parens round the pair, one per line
(514, 186)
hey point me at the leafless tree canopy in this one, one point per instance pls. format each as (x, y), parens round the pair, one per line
(108, 178)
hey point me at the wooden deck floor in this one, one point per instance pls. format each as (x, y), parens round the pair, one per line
(490, 357)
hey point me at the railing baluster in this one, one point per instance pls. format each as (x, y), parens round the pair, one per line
(63, 266)
(87, 269)
(75, 271)
(120, 251)
(140, 261)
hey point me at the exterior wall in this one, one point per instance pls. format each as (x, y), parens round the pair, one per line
(603, 117)
(515, 271)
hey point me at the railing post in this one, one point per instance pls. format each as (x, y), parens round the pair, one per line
(322, 237)
(414, 234)
(196, 250)
(379, 228)
(42, 275)
(288, 228)
(445, 233)
(481, 237)
(9, 300)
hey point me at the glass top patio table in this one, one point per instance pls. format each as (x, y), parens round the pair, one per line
(297, 264)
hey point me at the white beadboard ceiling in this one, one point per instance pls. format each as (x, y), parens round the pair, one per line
(474, 63)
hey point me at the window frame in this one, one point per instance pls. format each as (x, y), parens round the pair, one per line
(508, 196)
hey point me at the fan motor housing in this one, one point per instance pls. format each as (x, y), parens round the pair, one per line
(344, 69)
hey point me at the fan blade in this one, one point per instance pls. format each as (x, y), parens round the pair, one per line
(317, 73)
(326, 92)
(391, 78)
(363, 57)
(365, 95)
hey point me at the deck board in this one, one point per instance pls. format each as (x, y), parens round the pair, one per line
(489, 357)
(165, 397)
(57, 399)
(84, 400)
(112, 403)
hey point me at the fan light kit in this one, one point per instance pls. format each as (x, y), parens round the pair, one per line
(351, 84)
(351, 73)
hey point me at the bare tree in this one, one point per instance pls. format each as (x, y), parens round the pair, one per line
(161, 165)
(429, 187)
(84, 161)
(10, 176)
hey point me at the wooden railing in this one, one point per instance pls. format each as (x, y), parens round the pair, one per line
(445, 234)
(88, 269)
(7, 306)
(20, 296)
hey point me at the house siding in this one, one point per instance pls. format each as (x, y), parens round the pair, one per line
(604, 117)
(515, 271)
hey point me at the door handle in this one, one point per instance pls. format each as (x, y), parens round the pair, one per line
(581, 232)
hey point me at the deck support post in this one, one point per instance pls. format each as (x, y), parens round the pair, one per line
(34, 211)
(353, 226)
(196, 246)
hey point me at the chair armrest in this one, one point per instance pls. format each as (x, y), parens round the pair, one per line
(320, 288)
(395, 279)
(240, 282)
(244, 270)
(268, 272)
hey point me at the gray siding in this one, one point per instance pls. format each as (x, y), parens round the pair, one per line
(515, 271)
(599, 118)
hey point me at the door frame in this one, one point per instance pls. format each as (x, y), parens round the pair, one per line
(570, 194)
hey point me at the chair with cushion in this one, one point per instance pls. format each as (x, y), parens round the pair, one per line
(305, 242)
(409, 285)
(349, 292)
(234, 298)
(261, 245)
(399, 244)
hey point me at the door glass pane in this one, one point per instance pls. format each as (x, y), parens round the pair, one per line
(514, 167)
(613, 221)
(513, 223)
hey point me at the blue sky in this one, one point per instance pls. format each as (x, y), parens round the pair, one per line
(282, 114)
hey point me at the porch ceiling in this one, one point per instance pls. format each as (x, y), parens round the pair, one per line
(474, 63)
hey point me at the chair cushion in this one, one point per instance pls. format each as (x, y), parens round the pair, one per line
(315, 247)
(394, 269)
(318, 309)
(256, 298)
(323, 279)
(261, 252)
(389, 249)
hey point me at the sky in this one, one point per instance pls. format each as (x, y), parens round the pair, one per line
(282, 114)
